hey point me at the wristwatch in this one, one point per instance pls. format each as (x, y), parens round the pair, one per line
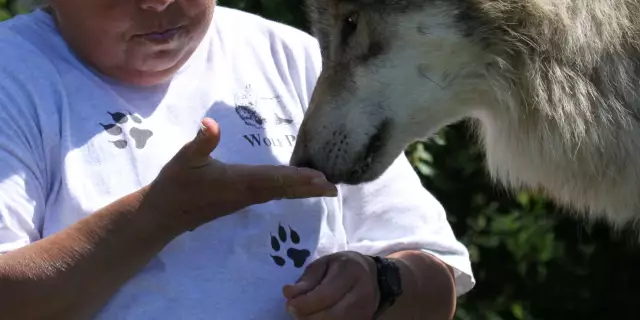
(389, 283)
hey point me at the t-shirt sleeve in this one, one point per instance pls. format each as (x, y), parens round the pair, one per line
(22, 162)
(396, 213)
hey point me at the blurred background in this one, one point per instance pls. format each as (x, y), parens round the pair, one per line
(531, 260)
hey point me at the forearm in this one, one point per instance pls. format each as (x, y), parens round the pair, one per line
(71, 274)
(428, 285)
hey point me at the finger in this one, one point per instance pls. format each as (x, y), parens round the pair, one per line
(264, 196)
(196, 152)
(303, 192)
(272, 176)
(314, 190)
(336, 284)
(310, 278)
(206, 140)
(353, 305)
(282, 182)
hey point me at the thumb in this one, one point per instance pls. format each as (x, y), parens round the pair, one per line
(311, 278)
(204, 143)
(196, 152)
(206, 140)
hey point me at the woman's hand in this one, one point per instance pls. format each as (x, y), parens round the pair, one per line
(194, 188)
(342, 285)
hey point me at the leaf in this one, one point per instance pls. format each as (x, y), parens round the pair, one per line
(5, 14)
(517, 311)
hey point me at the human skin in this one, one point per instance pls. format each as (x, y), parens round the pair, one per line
(343, 286)
(113, 35)
(73, 273)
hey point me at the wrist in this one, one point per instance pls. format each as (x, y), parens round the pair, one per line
(428, 285)
(157, 216)
(389, 282)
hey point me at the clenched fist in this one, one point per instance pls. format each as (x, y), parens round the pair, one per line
(339, 286)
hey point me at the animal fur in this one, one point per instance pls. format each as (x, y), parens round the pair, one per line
(551, 87)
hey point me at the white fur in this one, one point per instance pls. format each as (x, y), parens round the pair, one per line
(543, 119)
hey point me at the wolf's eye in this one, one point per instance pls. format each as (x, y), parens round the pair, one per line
(349, 26)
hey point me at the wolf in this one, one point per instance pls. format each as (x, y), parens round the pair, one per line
(550, 88)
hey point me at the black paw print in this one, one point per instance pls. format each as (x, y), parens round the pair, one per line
(297, 256)
(139, 136)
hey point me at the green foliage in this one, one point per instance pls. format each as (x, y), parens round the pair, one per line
(286, 11)
(4, 11)
(531, 260)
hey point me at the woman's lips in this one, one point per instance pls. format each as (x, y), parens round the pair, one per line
(163, 36)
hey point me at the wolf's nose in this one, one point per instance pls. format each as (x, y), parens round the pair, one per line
(303, 163)
(299, 158)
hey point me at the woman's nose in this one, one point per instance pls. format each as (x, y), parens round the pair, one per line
(155, 5)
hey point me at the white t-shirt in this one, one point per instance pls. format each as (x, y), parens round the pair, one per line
(72, 141)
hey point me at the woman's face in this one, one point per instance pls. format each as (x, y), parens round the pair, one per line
(142, 42)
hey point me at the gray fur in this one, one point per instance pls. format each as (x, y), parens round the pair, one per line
(550, 85)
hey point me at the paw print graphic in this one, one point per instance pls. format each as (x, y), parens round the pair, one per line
(297, 256)
(138, 135)
(245, 108)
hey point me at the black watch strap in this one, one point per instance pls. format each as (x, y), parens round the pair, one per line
(389, 283)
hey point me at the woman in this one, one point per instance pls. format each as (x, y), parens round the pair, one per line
(111, 208)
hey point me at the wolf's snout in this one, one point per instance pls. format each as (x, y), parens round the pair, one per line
(300, 156)
(306, 155)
